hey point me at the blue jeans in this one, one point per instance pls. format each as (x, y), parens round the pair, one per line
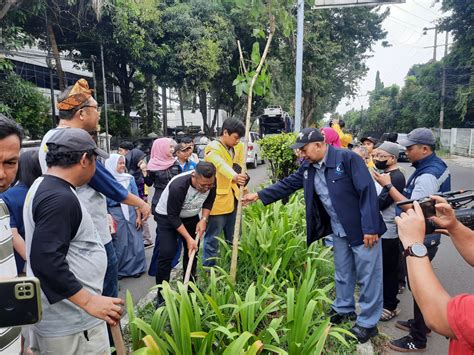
(216, 225)
(111, 275)
(363, 265)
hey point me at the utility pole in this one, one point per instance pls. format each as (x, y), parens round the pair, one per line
(443, 84)
(93, 76)
(299, 64)
(435, 28)
(49, 63)
(107, 143)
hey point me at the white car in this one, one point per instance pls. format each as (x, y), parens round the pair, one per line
(254, 155)
(273, 111)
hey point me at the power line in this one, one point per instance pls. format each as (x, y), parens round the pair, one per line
(410, 13)
(424, 7)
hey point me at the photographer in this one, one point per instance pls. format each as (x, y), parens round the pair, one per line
(431, 176)
(446, 315)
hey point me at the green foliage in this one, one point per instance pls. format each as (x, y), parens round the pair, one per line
(22, 101)
(279, 304)
(119, 125)
(281, 158)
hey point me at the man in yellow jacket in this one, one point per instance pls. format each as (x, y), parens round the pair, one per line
(227, 155)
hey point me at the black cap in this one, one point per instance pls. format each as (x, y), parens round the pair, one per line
(68, 140)
(371, 139)
(306, 136)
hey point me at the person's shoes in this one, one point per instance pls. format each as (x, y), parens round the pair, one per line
(338, 318)
(405, 345)
(160, 302)
(148, 245)
(406, 325)
(388, 314)
(364, 334)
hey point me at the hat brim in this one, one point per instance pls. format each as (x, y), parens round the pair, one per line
(101, 153)
(298, 145)
(363, 139)
(404, 142)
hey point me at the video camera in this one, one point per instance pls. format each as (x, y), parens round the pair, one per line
(459, 200)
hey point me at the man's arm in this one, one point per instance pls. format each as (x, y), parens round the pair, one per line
(280, 189)
(385, 179)
(426, 288)
(213, 156)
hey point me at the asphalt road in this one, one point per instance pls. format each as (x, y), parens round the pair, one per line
(455, 275)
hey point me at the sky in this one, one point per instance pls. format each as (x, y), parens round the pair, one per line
(405, 33)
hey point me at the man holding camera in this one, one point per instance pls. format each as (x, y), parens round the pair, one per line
(449, 316)
(431, 176)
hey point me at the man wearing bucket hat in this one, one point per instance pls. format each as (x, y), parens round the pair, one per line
(431, 176)
(65, 252)
(341, 200)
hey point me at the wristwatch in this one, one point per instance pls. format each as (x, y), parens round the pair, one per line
(388, 187)
(205, 219)
(416, 249)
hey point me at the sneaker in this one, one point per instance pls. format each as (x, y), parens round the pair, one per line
(338, 318)
(406, 325)
(364, 334)
(149, 245)
(406, 345)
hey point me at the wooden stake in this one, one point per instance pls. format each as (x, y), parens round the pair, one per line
(187, 275)
(118, 340)
(235, 239)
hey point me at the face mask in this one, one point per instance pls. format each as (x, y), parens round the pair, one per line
(381, 165)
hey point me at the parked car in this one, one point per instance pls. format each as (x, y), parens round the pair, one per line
(273, 111)
(254, 155)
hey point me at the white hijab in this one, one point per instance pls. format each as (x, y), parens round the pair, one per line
(123, 178)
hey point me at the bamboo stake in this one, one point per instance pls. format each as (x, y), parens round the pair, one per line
(118, 340)
(187, 275)
(235, 239)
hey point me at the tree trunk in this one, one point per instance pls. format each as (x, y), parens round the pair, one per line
(180, 98)
(308, 108)
(193, 109)
(164, 109)
(57, 58)
(216, 116)
(203, 109)
(150, 104)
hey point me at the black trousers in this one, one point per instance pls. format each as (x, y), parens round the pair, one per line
(169, 245)
(390, 252)
(419, 329)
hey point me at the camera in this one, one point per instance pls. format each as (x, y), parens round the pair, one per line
(457, 199)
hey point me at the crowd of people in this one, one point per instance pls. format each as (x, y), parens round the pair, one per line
(75, 217)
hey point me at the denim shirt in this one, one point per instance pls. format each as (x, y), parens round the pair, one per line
(321, 188)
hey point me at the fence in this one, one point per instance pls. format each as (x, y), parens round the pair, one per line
(458, 141)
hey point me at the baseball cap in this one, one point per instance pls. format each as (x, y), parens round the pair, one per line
(390, 148)
(182, 147)
(418, 136)
(372, 139)
(307, 135)
(74, 140)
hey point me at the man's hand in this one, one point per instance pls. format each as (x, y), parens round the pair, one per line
(411, 226)
(249, 198)
(145, 210)
(138, 222)
(106, 308)
(445, 217)
(240, 179)
(192, 245)
(201, 228)
(370, 240)
(382, 179)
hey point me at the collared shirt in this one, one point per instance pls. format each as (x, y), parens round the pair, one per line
(321, 188)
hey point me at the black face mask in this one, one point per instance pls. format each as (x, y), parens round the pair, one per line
(379, 164)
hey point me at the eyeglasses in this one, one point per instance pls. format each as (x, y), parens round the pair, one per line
(98, 108)
(380, 156)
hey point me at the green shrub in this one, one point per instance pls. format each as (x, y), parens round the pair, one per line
(276, 148)
(278, 305)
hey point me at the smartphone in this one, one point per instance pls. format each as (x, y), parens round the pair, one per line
(20, 301)
(428, 207)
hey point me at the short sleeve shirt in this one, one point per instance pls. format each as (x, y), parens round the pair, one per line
(460, 318)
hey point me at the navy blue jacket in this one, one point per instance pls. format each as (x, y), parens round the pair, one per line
(352, 192)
